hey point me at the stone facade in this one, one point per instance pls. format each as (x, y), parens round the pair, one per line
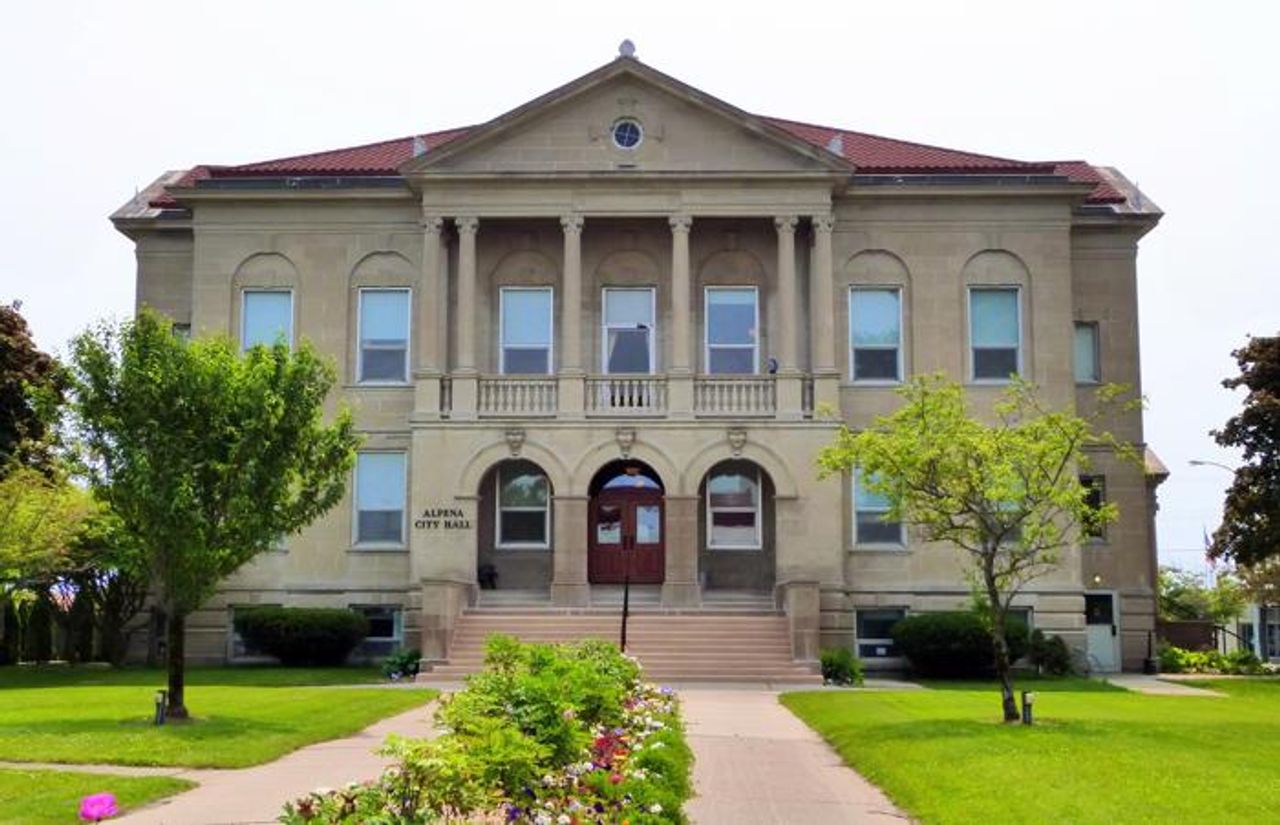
(710, 197)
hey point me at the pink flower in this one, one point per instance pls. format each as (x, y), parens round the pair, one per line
(97, 807)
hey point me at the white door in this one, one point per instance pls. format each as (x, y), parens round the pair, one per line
(1102, 632)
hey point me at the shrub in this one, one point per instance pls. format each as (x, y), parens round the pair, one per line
(953, 645)
(303, 636)
(841, 667)
(564, 733)
(1237, 662)
(403, 664)
(1050, 654)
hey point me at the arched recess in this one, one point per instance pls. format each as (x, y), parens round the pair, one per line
(383, 269)
(998, 268)
(737, 536)
(874, 269)
(514, 516)
(597, 456)
(626, 524)
(774, 464)
(484, 458)
(266, 271)
(736, 267)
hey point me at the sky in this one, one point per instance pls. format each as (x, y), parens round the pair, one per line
(97, 99)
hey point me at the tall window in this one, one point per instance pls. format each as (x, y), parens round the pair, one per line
(380, 498)
(1086, 354)
(732, 323)
(266, 316)
(628, 330)
(1095, 496)
(995, 333)
(524, 512)
(733, 507)
(384, 335)
(526, 330)
(869, 523)
(875, 632)
(875, 334)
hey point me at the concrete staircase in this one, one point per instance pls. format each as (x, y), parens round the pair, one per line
(716, 643)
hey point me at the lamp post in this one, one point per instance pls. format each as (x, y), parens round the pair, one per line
(1200, 462)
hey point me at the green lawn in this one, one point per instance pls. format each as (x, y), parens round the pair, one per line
(1094, 756)
(241, 716)
(57, 801)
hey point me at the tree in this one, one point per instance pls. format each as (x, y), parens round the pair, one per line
(1007, 493)
(1183, 595)
(206, 455)
(1250, 531)
(107, 574)
(32, 386)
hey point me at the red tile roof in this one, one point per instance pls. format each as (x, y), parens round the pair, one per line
(871, 154)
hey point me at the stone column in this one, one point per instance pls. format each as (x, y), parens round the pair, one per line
(680, 586)
(570, 390)
(789, 378)
(826, 381)
(433, 320)
(680, 371)
(569, 586)
(465, 375)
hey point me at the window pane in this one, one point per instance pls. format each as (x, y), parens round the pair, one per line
(628, 350)
(1086, 353)
(872, 529)
(731, 316)
(609, 524)
(380, 481)
(864, 499)
(733, 529)
(995, 363)
(380, 526)
(877, 624)
(383, 364)
(521, 488)
(731, 360)
(731, 490)
(648, 524)
(994, 317)
(526, 317)
(268, 317)
(516, 361)
(873, 317)
(384, 316)
(628, 307)
(875, 364)
(382, 621)
(522, 527)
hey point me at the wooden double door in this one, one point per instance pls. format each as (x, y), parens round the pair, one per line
(627, 537)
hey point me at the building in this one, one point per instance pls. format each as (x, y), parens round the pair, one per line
(614, 326)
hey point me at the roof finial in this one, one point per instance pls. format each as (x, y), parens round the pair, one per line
(419, 146)
(836, 145)
(626, 49)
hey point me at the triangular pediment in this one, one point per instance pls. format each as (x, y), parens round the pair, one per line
(682, 131)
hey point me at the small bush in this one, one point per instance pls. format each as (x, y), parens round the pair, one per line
(841, 667)
(303, 636)
(1237, 662)
(403, 664)
(955, 645)
(1050, 654)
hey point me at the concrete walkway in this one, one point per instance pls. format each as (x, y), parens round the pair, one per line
(1155, 686)
(757, 764)
(257, 795)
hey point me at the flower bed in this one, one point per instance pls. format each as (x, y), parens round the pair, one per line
(549, 735)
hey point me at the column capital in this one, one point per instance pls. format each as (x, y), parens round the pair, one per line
(680, 222)
(823, 223)
(785, 223)
(467, 225)
(571, 223)
(430, 221)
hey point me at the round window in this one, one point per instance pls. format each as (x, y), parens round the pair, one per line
(627, 133)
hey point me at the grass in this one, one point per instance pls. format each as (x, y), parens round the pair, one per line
(1096, 755)
(56, 797)
(241, 716)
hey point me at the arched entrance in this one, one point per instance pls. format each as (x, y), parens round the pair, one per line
(515, 543)
(627, 524)
(736, 528)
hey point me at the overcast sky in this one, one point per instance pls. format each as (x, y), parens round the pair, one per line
(98, 98)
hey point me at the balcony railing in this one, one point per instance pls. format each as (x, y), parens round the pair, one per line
(516, 396)
(735, 396)
(629, 395)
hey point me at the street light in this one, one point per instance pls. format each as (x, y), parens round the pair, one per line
(1199, 462)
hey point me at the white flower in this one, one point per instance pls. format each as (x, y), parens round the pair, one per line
(563, 819)
(322, 791)
(655, 808)
(542, 819)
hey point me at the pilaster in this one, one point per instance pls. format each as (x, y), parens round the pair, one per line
(680, 582)
(679, 371)
(826, 390)
(569, 586)
(465, 376)
(433, 319)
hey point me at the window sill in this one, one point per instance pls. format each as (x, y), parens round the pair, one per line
(879, 547)
(738, 548)
(380, 385)
(525, 548)
(991, 382)
(378, 548)
(874, 383)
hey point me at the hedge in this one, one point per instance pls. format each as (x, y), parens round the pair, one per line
(303, 636)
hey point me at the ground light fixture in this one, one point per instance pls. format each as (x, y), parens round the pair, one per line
(162, 705)
(1028, 699)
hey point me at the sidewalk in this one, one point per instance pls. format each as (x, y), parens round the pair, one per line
(257, 795)
(757, 764)
(1155, 686)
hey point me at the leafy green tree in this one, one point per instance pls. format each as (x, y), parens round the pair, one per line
(206, 455)
(32, 386)
(1007, 492)
(1261, 581)
(1250, 531)
(107, 571)
(1183, 595)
